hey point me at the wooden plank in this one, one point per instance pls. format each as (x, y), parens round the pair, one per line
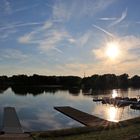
(82, 117)
(11, 123)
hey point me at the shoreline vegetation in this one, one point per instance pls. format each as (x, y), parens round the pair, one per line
(106, 81)
(37, 84)
(125, 130)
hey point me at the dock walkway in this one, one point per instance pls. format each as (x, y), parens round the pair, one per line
(11, 123)
(82, 117)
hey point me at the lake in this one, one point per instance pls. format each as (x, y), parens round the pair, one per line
(35, 107)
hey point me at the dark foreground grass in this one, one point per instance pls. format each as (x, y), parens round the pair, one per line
(127, 130)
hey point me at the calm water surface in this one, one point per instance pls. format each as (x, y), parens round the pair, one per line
(36, 111)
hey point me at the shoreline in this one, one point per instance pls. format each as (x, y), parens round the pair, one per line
(123, 130)
(86, 130)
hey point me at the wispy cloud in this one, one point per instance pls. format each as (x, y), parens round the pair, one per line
(29, 37)
(103, 30)
(11, 26)
(117, 21)
(83, 40)
(108, 18)
(64, 10)
(24, 8)
(47, 37)
(9, 10)
(12, 54)
(7, 7)
(7, 30)
(6, 33)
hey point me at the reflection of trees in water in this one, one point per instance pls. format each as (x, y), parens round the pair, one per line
(124, 92)
(95, 92)
(3, 88)
(35, 90)
(74, 91)
(24, 90)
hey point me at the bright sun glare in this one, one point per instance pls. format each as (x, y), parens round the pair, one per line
(112, 50)
(112, 114)
(114, 94)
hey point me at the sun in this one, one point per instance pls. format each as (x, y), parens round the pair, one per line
(112, 50)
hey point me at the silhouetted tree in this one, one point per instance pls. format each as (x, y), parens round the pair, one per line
(135, 81)
(123, 80)
(3, 80)
(106, 81)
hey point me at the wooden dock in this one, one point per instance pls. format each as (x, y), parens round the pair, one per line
(82, 117)
(11, 123)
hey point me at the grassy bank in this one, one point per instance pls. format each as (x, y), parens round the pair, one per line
(126, 130)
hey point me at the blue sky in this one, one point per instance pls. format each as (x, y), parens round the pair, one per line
(69, 37)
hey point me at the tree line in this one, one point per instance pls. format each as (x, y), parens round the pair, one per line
(106, 81)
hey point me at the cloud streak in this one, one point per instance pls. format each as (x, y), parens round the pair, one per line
(123, 16)
(103, 30)
(24, 8)
(6, 31)
(115, 20)
(20, 25)
(108, 18)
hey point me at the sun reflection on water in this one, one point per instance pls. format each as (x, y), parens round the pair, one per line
(112, 114)
(114, 94)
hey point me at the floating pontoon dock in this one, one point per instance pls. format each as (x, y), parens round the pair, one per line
(82, 117)
(11, 123)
